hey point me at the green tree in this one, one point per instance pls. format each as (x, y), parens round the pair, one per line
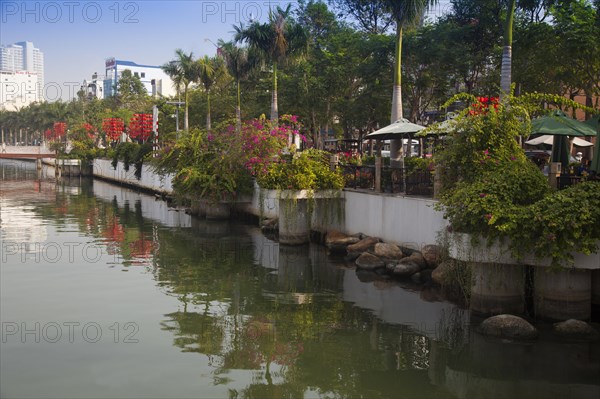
(239, 62)
(505, 72)
(277, 40)
(404, 13)
(131, 91)
(183, 71)
(208, 68)
(369, 15)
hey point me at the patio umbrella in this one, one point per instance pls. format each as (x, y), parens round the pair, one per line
(395, 131)
(548, 140)
(595, 123)
(560, 126)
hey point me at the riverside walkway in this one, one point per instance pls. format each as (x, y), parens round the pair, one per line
(25, 151)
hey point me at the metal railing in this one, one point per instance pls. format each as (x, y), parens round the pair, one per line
(418, 182)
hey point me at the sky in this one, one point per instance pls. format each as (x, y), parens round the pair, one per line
(77, 36)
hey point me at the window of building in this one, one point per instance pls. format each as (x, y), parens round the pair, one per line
(136, 75)
(143, 74)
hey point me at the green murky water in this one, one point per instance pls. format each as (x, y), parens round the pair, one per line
(106, 292)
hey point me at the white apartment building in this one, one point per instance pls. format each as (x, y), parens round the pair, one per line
(155, 80)
(18, 89)
(23, 57)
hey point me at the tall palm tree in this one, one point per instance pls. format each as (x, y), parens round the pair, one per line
(239, 62)
(277, 40)
(207, 68)
(505, 70)
(404, 13)
(183, 71)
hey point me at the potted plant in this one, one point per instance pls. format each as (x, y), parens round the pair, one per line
(302, 180)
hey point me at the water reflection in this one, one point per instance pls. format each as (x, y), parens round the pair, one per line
(250, 318)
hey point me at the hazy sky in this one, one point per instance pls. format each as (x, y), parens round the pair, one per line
(77, 36)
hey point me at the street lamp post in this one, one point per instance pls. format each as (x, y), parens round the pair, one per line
(177, 104)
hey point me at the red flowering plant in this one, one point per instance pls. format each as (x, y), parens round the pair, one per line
(113, 128)
(349, 158)
(483, 105)
(140, 127)
(219, 165)
(492, 190)
(57, 136)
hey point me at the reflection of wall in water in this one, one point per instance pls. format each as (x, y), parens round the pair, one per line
(489, 367)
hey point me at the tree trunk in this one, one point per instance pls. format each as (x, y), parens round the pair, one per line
(505, 72)
(396, 144)
(238, 109)
(274, 109)
(208, 125)
(186, 125)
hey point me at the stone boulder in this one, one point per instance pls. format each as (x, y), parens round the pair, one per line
(406, 250)
(368, 261)
(416, 278)
(388, 251)
(337, 241)
(417, 258)
(576, 330)
(363, 245)
(269, 225)
(441, 274)
(432, 255)
(406, 267)
(508, 326)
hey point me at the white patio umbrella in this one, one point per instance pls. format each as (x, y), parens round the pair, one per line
(548, 139)
(395, 130)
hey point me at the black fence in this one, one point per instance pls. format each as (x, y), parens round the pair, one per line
(418, 182)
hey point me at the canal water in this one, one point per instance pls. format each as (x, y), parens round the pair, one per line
(106, 292)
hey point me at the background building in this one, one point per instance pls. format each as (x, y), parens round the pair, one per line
(155, 80)
(93, 88)
(18, 89)
(22, 57)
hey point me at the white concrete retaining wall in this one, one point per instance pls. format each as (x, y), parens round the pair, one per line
(409, 221)
(149, 179)
(461, 248)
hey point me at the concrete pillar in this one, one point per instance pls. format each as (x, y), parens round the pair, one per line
(294, 221)
(438, 360)
(327, 214)
(596, 291)
(497, 289)
(563, 295)
(334, 161)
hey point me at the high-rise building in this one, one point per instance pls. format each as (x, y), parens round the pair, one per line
(24, 57)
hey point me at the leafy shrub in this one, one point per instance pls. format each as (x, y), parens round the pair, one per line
(491, 190)
(308, 170)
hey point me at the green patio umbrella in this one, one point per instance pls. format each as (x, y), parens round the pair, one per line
(559, 124)
(594, 122)
(561, 127)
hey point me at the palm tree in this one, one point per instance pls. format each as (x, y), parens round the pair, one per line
(404, 13)
(505, 71)
(183, 71)
(207, 73)
(276, 40)
(239, 62)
